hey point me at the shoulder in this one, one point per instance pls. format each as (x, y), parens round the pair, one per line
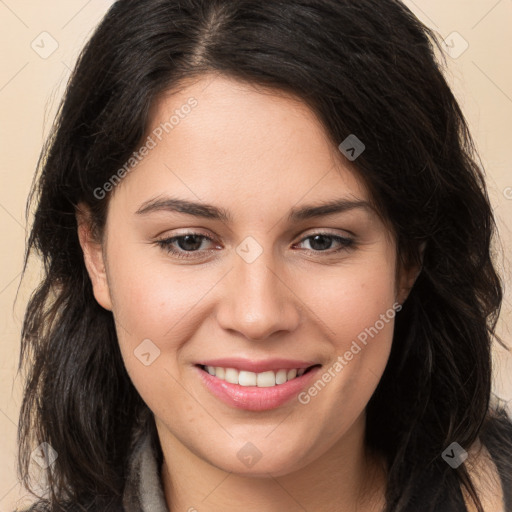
(486, 479)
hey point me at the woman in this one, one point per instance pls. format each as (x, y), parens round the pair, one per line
(258, 367)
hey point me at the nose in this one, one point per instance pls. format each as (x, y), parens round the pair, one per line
(258, 301)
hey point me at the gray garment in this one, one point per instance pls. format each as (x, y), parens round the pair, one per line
(143, 490)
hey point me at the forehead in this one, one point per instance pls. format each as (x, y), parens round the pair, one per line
(242, 142)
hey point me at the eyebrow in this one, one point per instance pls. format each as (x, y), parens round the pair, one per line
(212, 212)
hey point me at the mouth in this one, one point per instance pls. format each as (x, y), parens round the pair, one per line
(253, 391)
(265, 379)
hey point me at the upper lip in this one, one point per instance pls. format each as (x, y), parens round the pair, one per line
(250, 365)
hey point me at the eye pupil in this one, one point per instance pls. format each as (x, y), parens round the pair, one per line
(184, 240)
(323, 246)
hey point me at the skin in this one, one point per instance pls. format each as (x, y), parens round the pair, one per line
(258, 154)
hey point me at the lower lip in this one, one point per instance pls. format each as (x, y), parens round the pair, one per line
(253, 398)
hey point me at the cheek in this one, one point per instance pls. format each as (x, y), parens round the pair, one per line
(153, 313)
(359, 309)
(153, 299)
(157, 308)
(351, 303)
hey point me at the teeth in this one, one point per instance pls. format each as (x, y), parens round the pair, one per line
(262, 380)
(231, 375)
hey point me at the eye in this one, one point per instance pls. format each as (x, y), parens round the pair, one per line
(320, 242)
(188, 245)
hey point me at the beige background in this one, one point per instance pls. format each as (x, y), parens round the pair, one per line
(31, 87)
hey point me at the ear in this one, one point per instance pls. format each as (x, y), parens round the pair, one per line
(408, 277)
(93, 256)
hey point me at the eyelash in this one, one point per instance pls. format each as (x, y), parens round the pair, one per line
(166, 244)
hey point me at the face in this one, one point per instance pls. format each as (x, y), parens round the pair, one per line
(255, 278)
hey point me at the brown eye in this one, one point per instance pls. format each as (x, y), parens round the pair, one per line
(179, 246)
